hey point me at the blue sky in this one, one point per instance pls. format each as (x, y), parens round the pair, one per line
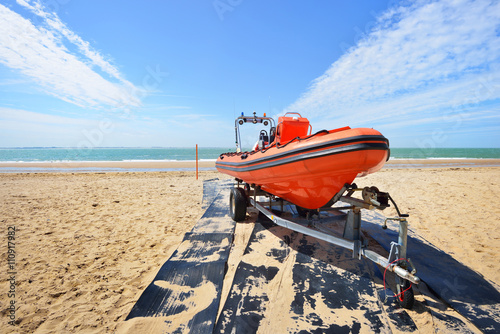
(175, 73)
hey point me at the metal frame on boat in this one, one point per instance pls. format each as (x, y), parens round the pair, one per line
(266, 121)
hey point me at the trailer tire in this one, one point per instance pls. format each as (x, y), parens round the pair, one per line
(407, 298)
(238, 204)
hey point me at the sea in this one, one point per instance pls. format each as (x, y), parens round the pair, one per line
(58, 154)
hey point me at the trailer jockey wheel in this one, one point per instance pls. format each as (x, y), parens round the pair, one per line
(237, 204)
(406, 299)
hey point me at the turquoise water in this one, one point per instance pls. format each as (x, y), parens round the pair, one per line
(210, 153)
(108, 154)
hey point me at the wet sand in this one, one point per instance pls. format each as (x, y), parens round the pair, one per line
(172, 165)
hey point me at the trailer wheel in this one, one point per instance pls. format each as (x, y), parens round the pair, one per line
(406, 299)
(237, 204)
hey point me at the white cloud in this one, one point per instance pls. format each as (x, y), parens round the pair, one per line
(425, 60)
(12, 82)
(24, 116)
(39, 52)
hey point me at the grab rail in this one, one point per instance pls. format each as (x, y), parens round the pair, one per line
(296, 113)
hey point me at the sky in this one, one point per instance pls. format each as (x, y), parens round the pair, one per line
(173, 73)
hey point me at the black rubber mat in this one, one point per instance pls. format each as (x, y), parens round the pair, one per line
(321, 274)
(211, 188)
(190, 282)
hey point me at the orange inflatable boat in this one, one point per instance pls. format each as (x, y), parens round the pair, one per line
(306, 169)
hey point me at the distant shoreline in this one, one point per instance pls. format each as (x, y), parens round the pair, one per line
(167, 165)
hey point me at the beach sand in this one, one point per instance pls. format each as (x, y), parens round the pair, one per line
(87, 244)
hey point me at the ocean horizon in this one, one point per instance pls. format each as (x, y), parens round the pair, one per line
(138, 154)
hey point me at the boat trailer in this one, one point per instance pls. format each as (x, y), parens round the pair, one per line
(244, 195)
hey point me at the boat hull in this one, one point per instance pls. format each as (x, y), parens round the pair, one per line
(309, 172)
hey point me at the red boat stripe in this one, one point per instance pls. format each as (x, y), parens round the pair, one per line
(336, 142)
(240, 167)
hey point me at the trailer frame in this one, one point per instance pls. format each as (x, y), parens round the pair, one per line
(352, 238)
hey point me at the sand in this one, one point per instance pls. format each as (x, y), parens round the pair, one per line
(87, 244)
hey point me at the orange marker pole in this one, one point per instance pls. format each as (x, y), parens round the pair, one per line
(197, 161)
